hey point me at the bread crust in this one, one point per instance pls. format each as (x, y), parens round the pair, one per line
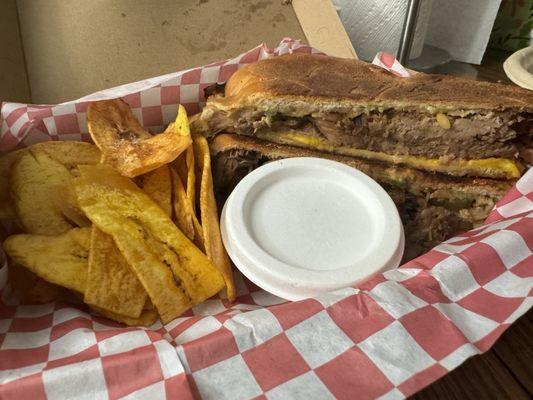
(328, 82)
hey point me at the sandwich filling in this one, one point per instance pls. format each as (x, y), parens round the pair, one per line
(432, 210)
(457, 143)
(493, 167)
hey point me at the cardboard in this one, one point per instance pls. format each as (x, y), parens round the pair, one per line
(13, 79)
(323, 28)
(76, 47)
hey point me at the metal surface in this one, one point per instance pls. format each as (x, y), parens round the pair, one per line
(431, 58)
(408, 31)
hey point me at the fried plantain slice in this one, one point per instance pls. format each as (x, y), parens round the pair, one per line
(70, 153)
(35, 178)
(126, 146)
(61, 260)
(111, 284)
(175, 274)
(147, 317)
(184, 166)
(209, 216)
(184, 214)
(148, 304)
(64, 200)
(158, 185)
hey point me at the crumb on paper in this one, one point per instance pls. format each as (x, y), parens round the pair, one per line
(286, 2)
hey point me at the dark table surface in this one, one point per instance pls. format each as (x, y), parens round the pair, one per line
(506, 370)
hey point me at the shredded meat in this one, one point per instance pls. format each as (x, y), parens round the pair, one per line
(479, 135)
(429, 217)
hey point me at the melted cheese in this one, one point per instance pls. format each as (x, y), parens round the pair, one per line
(491, 167)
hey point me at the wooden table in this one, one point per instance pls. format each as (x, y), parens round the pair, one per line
(506, 370)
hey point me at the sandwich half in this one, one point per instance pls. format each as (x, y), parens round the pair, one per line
(432, 123)
(432, 207)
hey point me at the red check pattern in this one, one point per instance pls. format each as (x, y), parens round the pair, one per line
(386, 339)
(154, 101)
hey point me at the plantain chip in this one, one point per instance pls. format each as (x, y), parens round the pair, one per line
(111, 284)
(6, 162)
(209, 216)
(184, 166)
(147, 317)
(70, 153)
(61, 260)
(158, 185)
(148, 304)
(29, 288)
(184, 214)
(126, 146)
(175, 274)
(82, 237)
(64, 199)
(35, 178)
(191, 177)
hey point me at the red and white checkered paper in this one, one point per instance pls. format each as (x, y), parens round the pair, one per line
(386, 339)
(390, 63)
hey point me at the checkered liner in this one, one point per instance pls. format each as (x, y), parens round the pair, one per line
(387, 338)
(153, 101)
(390, 63)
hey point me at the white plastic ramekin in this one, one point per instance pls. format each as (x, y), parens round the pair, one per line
(303, 226)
